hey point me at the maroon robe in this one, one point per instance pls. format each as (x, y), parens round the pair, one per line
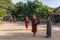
(14, 20)
(10, 19)
(26, 22)
(34, 26)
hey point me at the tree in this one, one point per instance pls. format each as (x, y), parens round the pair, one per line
(7, 5)
(2, 12)
(20, 8)
(30, 8)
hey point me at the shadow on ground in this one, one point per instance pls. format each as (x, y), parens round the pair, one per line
(21, 36)
(28, 36)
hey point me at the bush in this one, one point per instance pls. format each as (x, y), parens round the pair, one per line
(1, 22)
(2, 12)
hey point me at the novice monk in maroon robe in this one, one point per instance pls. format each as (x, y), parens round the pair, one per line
(11, 19)
(14, 20)
(34, 26)
(26, 23)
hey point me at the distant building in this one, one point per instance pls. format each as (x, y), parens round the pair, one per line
(56, 14)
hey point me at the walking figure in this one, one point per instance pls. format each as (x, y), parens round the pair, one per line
(34, 25)
(26, 22)
(49, 23)
(14, 20)
(10, 19)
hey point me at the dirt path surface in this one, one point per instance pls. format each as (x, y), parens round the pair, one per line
(17, 31)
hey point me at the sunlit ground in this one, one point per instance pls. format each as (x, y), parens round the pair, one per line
(17, 31)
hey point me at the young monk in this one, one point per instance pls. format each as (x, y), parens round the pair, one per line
(10, 19)
(14, 20)
(26, 22)
(34, 25)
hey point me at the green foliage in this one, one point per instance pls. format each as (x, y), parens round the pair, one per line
(2, 12)
(29, 8)
(1, 22)
(22, 9)
(7, 5)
